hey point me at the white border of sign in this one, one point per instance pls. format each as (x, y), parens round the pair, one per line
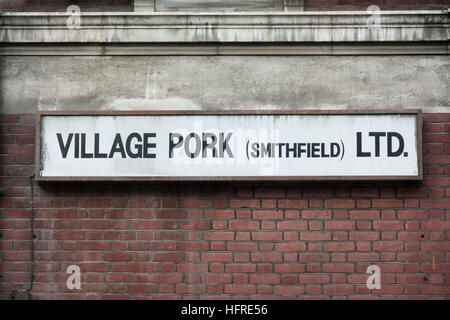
(41, 114)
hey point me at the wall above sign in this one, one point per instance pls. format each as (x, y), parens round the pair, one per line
(229, 145)
(217, 5)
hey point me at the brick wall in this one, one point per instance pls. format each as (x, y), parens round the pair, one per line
(225, 240)
(310, 5)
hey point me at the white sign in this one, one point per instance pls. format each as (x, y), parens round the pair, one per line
(273, 145)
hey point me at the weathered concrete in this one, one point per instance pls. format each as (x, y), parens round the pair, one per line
(144, 5)
(240, 49)
(224, 82)
(225, 61)
(259, 27)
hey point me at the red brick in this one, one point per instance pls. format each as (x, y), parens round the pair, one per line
(435, 203)
(315, 236)
(412, 214)
(95, 224)
(195, 225)
(8, 118)
(95, 203)
(16, 256)
(436, 138)
(117, 256)
(168, 257)
(411, 257)
(244, 225)
(167, 278)
(144, 203)
(70, 235)
(365, 192)
(436, 246)
(436, 225)
(436, 290)
(95, 246)
(314, 278)
(365, 214)
(387, 246)
(170, 214)
(20, 171)
(217, 256)
(292, 204)
(220, 214)
(240, 289)
(338, 289)
(188, 203)
(262, 278)
(316, 214)
(289, 290)
(240, 267)
(340, 203)
(270, 193)
(314, 257)
(388, 225)
(242, 246)
(266, 236)
(218, 236)
(292, 225)
(144, 246)
(290, 246)
(436, 181)
(289, 268)
(259, 214)
(412, 236)
(387, 203)
(339, 225)
(359, 256)
(216, 278)
(245, 203)
(317, 193)
(22, 129)
(338, 267)
(340, 246)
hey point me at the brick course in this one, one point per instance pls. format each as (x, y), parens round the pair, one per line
(233, 240)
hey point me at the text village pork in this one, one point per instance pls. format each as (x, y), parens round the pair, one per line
(136, 145)
(193, 145)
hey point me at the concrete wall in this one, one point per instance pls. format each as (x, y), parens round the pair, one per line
(164, 5)
(224, 82)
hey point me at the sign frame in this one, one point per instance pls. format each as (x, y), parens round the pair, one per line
(43, 113)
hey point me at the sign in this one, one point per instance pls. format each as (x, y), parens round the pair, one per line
(229, 145)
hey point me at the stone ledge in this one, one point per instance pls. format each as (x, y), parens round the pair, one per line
(239, 49)
(260, 27)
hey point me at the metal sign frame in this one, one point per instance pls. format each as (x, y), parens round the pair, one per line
(415, 112)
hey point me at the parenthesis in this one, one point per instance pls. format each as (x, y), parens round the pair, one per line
(343, 150)
(246, 149)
